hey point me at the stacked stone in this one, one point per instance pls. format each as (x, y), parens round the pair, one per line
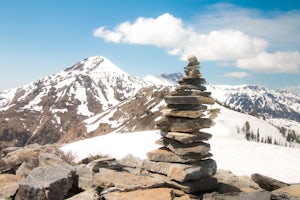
(184, 156)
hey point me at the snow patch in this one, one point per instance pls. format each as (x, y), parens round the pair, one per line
(115, 144)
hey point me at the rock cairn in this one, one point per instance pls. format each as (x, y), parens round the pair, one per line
(184, 157)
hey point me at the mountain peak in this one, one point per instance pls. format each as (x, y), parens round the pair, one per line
(95, 64)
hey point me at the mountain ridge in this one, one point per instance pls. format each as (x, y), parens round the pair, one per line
(53, 108)
(94, 97)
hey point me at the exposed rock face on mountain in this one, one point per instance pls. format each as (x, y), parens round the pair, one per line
(251, 99)
(258, 100)
(95, 97)
(89, 98)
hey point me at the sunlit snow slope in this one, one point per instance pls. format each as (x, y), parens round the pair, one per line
(230, 149)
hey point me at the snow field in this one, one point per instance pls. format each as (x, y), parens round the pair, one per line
(230, 150)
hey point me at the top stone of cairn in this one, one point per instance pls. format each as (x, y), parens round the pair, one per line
(193, 60)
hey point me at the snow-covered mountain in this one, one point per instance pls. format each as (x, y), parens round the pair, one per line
(252, 99)
(54, 108)
(258, 100)
(95, 97)
(94, 80)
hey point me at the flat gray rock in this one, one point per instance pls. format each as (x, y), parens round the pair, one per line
(48, 182)
(183, 172)
(268, 183)
(187, 138)
(181, 149)
(123, 180)
(164, 155)
(185, 125)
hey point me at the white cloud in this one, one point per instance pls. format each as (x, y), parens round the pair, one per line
(222, 45)
(109, 36)
(169, 32)
(278, 62)
(237, 74)
(281, 29)
(164, 31)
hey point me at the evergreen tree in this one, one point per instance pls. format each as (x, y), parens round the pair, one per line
(257, 135)
(247, 127)
(248, 136)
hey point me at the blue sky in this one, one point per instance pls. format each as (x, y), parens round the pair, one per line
(237, 42)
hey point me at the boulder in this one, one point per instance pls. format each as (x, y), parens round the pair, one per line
(123, 180)
(24, 169)
(190, 92)
(190, 187)
(183, 113)
(48, 159)
(147, 194)
(109, 163)
(48, 182)
(192, 79)
(190, 87)
(181, 149)
(289, 192)
(267, 183)
(257, 195)
(175, 124)
(192, 59)
(86, 173)
(14, 158)
(9, 185)
(165, 155)
(202, 185)
(186, 107)
(90, 194)
(186, 138)
(190, 100)
(183, 172)
(85, 177)
(10, 149)
(193, 73)
(130, 161)
(230, 183)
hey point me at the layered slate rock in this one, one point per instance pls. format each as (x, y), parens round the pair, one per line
(48, 182)
(184, 157)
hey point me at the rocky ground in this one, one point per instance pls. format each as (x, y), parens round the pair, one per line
(43, 172)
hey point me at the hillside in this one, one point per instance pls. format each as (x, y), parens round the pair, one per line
(95, 97)
(55, 107)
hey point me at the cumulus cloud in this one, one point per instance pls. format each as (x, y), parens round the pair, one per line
(163, 31)
(281, 29)
(169, 32)
(278, 62)
(222, 45)
(236, 74)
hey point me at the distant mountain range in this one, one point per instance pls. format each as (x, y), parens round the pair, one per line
(95, 97)
(251, 99)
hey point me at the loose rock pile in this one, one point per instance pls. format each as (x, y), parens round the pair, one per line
(184, 156)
